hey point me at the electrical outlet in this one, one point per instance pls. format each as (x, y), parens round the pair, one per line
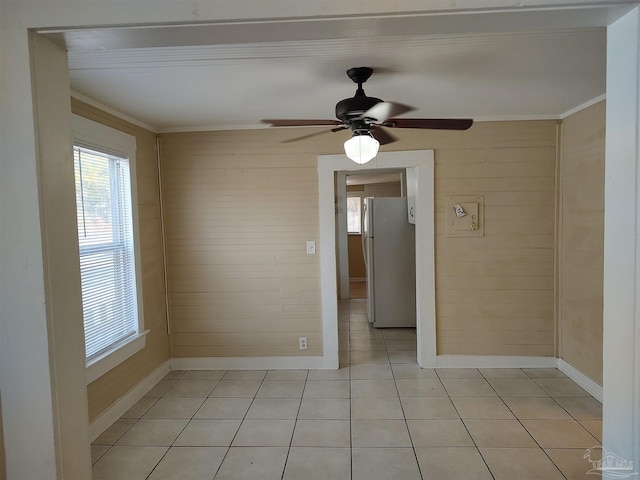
(302, 343)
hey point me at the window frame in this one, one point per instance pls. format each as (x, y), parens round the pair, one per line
(96, 136)
(361, 196)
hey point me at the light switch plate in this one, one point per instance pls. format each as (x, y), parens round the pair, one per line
(311, 247)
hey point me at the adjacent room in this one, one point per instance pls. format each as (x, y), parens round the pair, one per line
(284, 307)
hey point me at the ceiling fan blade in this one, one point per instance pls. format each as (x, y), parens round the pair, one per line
(299, 122)
(380, 112)
(430, 123)
(382, 135)
(314, 134)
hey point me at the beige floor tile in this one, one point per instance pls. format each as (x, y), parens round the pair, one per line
(236, 388)
(141, 407)
(98, 451)
(369, 356)
(499, 433)
(191, 388)
(324, 409)
(367, 344)
(517, 387)
(384, 464)
(174, 408)
(572, 463)
(458, 373)
(544, 373)
(561, 387)
(539, 408)
(326, 389)
(376, 408)
(412, 370)
(322, 433)
(341, 373)
(264, 433)
(439, 433)
(365, 334)
(399, 333)
(503, 373)
(373, 388)
(463, 387)
(408, 345)
(485, 408)
(379, 433)
(264, 463)
(204, 374)
(189, 463)
(452, 463)
(224, 408)
(371, 371)
(559, 433)
(153, 433)
(160, 388)
(112, 434)
(245, 375)
(274, 409)
(594, 427)
(420, 387)
(208, 433)
(281, 389)
(175, 375)
(130, 463)
(426, 408)
(582, 408)
(314, 463)
(520, 464)
(399, 356)
(279, 375)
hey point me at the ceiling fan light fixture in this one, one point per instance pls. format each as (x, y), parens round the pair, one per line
(361, 148)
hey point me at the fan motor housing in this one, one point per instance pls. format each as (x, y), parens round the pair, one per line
(350, 108)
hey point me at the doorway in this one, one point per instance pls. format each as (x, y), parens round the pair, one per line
(423, 161)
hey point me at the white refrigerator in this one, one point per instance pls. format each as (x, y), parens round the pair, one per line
(389, 251)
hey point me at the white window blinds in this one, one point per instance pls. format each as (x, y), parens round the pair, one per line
(107, 261)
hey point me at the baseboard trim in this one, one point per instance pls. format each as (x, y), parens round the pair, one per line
(128, 400)
(493, 361)
(247, 363)
(581, 379)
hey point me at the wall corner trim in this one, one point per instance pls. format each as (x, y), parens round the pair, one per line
(581, 379)
(587, 104)
(112, 111)
(492, 361)
(128, 400)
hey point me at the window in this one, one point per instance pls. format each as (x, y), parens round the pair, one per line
(354, 211)
(109, 264)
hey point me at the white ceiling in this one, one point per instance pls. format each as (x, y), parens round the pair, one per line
(174, 80)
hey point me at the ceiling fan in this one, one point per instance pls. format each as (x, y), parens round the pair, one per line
(366, 116)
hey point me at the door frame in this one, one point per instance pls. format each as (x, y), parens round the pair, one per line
(423, 161)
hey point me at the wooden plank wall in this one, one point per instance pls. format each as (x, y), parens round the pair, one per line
(240, 205)
(581, 247)
(110, 387)
(239, 208)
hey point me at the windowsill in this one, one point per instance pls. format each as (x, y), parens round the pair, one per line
(102, 364)
(354, 234)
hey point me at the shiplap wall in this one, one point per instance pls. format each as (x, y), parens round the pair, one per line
(240, 205)
(104, 391)
(239, 208)
(581, 246)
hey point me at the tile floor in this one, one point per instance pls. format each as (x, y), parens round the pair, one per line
(378, 417)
